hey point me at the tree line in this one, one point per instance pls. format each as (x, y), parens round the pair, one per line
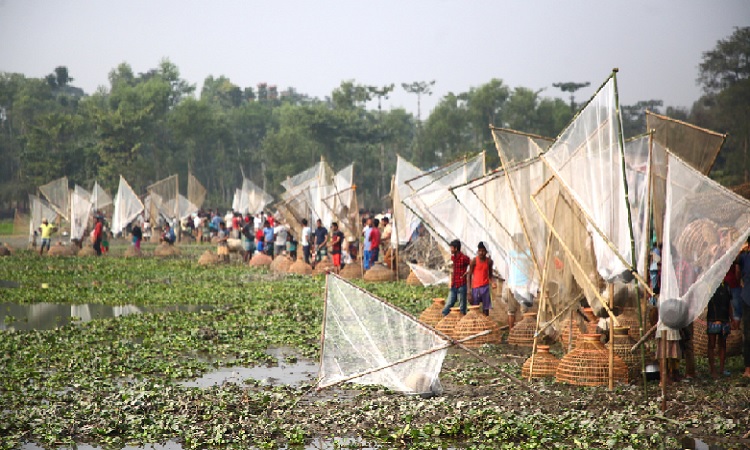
(150, 125)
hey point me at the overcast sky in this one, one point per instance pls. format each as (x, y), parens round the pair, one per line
(314, 45)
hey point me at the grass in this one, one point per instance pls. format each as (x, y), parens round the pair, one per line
(6, 227)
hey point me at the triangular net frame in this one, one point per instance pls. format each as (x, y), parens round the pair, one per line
(705, 225)
(366, 340)
(99, 197)
(342, 204)
(250, 199)
(80, 212)
(164, 198)
(404, 220)
(196, 193)
(305, 193)
(127, 207)
(57, 194)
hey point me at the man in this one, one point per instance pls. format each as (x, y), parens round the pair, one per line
(321, 241)
(168, 236)
(744, 262)
(458, 278)
(248, 237)
(280, 234)
(98, 235)
(366, 257)
(337, 240)
(305, 241)
(46, 230)
(374, 242)
(268, 238)
(480, 276)
(385, 238)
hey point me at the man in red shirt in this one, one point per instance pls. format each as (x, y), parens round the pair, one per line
(374, 242)
(458, 278)
(480, 275)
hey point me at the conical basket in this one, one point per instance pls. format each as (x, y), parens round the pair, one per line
(260, 260)
(281, 264)
(322, 267)
(629, 318)
(588, 364)
(545, 364)
(592, 320)
(379, 273)
(522, 334)
(448, 323)
(165, 250)
(623, 343)
(413, 280)
(87, 251)
(433, 313)
(208, 258)
(475, 322)
(565, 331)
(351, 271)
(300, 267)
(499, 311)
(61, 250)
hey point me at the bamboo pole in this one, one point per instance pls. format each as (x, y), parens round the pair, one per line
(611, 290)
(663, 370)
(643, 339)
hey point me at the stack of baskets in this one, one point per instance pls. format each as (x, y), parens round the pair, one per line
(351, 271)
(260, 260)
(300, 267)
(281, 264)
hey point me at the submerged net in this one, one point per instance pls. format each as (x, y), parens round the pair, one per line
(705, 225)
(404, 220)
(127, 207)
(164, 198)
(365, 336)
(196, 193)
(80, 210)
(58, 196)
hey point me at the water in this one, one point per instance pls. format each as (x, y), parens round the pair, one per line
(46, 316)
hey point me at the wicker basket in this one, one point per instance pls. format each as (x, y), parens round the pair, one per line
(700, 340)
(623, 343)
(379, 273)
(522, 334)
(62, 250)
(475, 322)
(588, 364)
(434, 313)
(545, 364)
(300, 267)
(413, 280)
(629, 319)
(165, 250)
(260, 260)
(322, 267)
(565, 331)
(130, 252)
(448, 323)
(591, 320)
(87, 251)
(351, 271)
(699, 241)
(281, 264)
(208, 259)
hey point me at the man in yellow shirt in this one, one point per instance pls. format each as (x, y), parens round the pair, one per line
(47, 229)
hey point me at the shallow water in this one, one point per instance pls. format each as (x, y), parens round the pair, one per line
(46, 316)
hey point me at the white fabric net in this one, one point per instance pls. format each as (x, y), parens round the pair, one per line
(251, 198)
(429, 277)
(305, 193)
(341, 204)
(127, 207)
(404, 220)
(99, 197)
(196, 191)
(164, 198)
(80, 211)
(705, 226)
(363, 335)
(515, 147)
(57, 194)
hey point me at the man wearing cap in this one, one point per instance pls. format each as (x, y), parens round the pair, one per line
(46, 230)
(458, 278)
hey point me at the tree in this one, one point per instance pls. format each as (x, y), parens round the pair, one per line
(571, 87)
(419, 88)
(727, 64)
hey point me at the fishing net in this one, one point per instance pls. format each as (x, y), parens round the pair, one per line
(515, 147)
(696, 146)
(164, 198)
(404, 221)
(704, 227)
(127, 207)
(58, 196)
(20, 222)
(196, 193)
(99, 197)
(251, 199)
(80, 211)
(305, 193)
(432, 201)
(637, 174)
(428, 277)
(40, 210)
(342, 203)
(368, 341)
(184, 206)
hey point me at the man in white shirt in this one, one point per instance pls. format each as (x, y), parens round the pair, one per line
(305, 240)
(280, 233)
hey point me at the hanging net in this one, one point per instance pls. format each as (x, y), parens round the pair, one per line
(40, 210)
(127, 207)
(80, 211)
(251, 199)
(20, 222)
(58, 196)
(696, 146)
(404, 220)
(305, 193)
(428, 277)
(637, 173)
(515, 147)
(99, 197)
(184, 207)
(705, 225)
(164, 200)
(196, 193)
(342, 203)
(368, 341)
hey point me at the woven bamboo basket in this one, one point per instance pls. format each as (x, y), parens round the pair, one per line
(623, 343)
(222, 250)
(700, 340)
(131, 253)
(433, 313)
(208, 259)
(322, 267)
(260, 260)
(379, 273)
(448, 323)
(475, 322)
(545, 364)
(165, 250)
(699, 240)
(629, 319)
(588, 364)
(351, 271)
(61, 250)
(86, 251)
(300, 267)
(566, 334)
(591, 320)
(281, 264)
(522, 334)
(413, 280)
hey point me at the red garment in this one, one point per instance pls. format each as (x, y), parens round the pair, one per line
(259, 235)
(481, 275)
(374, 238)
(98, 231)
(731, 277)
(236, 223)
(270, 220)
(460, 268)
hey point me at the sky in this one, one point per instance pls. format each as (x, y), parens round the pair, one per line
(315, 45)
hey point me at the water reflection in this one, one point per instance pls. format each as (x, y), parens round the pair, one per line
(46, 316)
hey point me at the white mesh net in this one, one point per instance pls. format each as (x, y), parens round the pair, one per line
(428, 277)
(57, 194)
(251, 198)
(196, 191)
(342, 203)
(362, 334)
(404, 221)
(515, 147)
(127, 207)
(80, 211)
(305, 194)
(164, 198)
(704, 227)
(99, 197)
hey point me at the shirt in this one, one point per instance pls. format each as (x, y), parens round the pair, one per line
(374, 238)
(366, 234)
(460, 266)
(306, 232)
(731, 277)
(320, 235)
(719, 305)
(268, 234)
(47, 230)
(481, 275)
(337, 239)
(280, 233)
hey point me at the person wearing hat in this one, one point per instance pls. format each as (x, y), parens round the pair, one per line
(46, 230)
(480, 275)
